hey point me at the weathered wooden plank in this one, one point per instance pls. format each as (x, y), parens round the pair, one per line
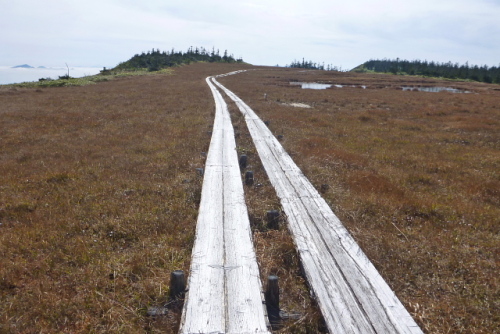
(225, 293)
(205, 300)
(351, 294)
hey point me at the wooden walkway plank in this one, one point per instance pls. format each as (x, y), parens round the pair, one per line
(224, 289)
(350, 292)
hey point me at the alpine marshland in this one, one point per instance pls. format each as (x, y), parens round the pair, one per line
(99, 190)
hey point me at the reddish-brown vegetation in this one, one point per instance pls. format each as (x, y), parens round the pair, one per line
(99, 194)
(98, 200)
(413, 175)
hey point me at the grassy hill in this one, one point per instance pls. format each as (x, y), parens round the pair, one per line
(99, 193)
(156, 60)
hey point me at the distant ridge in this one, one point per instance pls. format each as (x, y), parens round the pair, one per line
(447, 70)
(22, 66)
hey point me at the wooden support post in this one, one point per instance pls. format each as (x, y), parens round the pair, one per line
(273, 292)
(243, 161)
(272, 297)
(177, 284)
(249, 178)
(273, 219)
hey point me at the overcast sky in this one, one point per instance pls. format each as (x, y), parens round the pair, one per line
(344, 33)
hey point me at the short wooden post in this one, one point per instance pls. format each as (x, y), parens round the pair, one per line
(272, 297)
(273, 218)
(177, 284)
(273, 292)
(243, 161)
(249, 178)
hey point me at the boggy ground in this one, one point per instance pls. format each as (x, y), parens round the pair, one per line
(99, 194)
(99, 199)
(413, 176)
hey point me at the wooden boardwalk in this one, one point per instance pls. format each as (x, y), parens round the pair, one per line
(351, 294)
(224, 289)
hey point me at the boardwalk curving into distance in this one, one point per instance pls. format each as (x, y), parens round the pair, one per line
(224, 289)
(350, 292)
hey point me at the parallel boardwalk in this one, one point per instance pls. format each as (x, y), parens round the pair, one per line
(225, 294)
(351, 294)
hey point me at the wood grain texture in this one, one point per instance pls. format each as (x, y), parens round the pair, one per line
(350, 292)
(224, 289)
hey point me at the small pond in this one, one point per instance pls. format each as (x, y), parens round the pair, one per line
(316, 85)
(434, 89)
(310, 85)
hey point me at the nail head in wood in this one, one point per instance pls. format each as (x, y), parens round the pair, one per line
(177, 284)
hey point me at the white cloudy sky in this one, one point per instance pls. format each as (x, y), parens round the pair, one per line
(264, 32)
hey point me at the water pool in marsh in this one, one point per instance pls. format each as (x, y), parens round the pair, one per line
(311, 85)
(316, 85)
(434, 89)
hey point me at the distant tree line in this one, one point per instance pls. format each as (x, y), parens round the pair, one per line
(435, 69)
(308, 64)
(155, 60)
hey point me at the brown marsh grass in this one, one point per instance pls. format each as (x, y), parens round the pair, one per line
(99, 194)
(413, 176)
(98, 200)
